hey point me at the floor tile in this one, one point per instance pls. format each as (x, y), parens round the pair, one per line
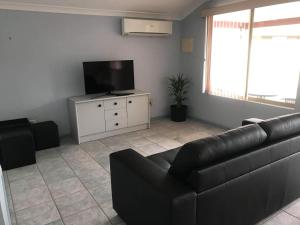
(76, 156)
(141, 141)
(74, 203)
(58, 174)
(103, 161)
(173, 134)
(101, 193)
(164, 142)
(65, 187)
(294, 209)
(128, 137)
(88, 169)
(152, 149)
(48, 165)
(58, 222)
(110, 140)
(26, 184)
(94, 148)
(31, 197)
(38, 215)
(110, 212)
(146, 132)
(91, 174)
(282, 219)
(63, 149)
(22, 172)
(115, 144)
(92, 216)
(94, 180)
(47, 154)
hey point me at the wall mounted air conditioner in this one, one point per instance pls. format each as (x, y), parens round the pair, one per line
(144, 27)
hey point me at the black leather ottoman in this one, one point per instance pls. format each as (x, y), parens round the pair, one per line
(45, 135)
(17, 147)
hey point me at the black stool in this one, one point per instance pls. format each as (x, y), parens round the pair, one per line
(16, 144)
(45, 135)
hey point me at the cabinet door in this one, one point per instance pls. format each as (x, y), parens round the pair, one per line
(138, 110)
(90, 118)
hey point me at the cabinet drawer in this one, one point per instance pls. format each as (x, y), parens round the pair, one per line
(115, 104)
(116, 124)
(115, 114)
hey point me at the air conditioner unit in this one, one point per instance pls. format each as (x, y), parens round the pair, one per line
(144, 27)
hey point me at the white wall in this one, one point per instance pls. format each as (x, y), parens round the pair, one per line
(41, 66)
(218, 110)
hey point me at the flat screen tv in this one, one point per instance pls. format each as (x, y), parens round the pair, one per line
(108, 76)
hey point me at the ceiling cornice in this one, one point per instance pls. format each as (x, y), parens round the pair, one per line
(189, 10)
(82, 11)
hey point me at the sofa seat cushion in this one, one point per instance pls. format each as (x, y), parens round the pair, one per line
(164, 159)
(209, 151)
(281, 127)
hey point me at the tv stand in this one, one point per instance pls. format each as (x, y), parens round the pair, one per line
(94, 117)
(111, 94)
(121, 94)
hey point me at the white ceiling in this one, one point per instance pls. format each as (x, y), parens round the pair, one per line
(163, 9)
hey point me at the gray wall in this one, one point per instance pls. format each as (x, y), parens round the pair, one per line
(41, 66)
(218, 110)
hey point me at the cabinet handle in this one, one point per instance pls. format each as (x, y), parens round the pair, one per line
(115, 103)
(116, 124)
(116, 114)
(99, 105)
(130, 102)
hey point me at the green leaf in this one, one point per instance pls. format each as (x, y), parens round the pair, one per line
(178, 88)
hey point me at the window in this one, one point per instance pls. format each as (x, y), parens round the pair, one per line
(255, 54)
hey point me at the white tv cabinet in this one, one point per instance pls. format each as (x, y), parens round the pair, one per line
(93, 117)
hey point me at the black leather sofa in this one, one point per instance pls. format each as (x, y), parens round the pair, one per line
(235, 178)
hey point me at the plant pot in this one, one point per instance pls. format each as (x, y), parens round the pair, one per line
(178, 114)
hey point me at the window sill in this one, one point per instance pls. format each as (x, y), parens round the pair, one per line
(284, 105)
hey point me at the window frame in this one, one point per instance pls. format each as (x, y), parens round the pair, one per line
(207, 66)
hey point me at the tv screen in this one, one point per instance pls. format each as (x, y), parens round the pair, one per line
(108, 76)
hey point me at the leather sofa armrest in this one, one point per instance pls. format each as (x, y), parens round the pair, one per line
(143, 193)
(251, 121)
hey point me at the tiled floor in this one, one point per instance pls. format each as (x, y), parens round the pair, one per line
(71, 184)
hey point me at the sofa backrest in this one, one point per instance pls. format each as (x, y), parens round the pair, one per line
(281, 127)
(213, 176)
(206, 152)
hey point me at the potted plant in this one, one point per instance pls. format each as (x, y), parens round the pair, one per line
(178, 89)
